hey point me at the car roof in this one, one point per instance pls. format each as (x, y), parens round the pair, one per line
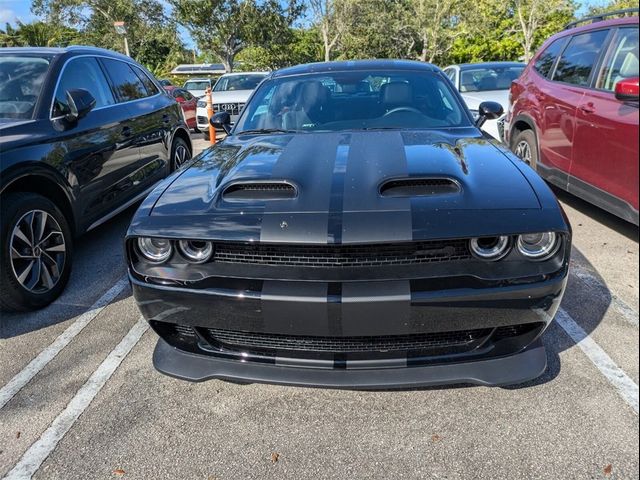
(468, 66)
(231, 74)
(72, 49)
(355, 65)
(203, 79)
(614, 22)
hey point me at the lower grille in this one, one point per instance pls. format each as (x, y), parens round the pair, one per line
(202, 120)
(343, 256)
(387, 343)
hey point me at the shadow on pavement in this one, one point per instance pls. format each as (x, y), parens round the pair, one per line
(607, 219)
(98, 263)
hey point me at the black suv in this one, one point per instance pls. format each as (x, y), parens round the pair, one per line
(84, 133)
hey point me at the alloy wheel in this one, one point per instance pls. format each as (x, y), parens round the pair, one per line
(181, 155)
(523, 151)
(38, 251)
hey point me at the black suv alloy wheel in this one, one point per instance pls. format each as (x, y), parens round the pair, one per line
(36, 260)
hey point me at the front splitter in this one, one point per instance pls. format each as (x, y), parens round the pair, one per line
(499, 371)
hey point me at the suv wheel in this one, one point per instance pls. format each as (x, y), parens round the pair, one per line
(35, 261)
(180, 154)
(525, 147)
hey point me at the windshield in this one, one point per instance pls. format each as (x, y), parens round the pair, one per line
(484, 79)
(238, 82)
(354, 100)
(21, 79)
(196, 85)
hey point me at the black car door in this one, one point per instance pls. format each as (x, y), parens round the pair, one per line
(93, 149)
(148, 122)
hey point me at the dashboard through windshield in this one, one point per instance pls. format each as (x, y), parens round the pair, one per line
(354, 100)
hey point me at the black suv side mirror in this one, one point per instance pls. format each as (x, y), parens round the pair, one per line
(222, 120)
(80, 102)
(488, 111)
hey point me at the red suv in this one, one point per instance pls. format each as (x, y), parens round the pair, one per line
(573, 114)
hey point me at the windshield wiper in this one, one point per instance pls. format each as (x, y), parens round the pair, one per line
(266, 131)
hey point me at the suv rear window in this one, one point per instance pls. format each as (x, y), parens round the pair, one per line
(579, 58)
(547, 59)
(126, 83)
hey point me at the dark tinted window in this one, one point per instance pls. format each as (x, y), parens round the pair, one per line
(545, 61)
(147, 82)
(85, 73)
(126, 83)
(579, 57)
(21, 79)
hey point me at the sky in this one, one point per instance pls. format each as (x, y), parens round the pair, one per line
(13, 10)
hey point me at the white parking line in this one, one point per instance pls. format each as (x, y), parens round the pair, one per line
(27, 373)
(40, 450)
(584, 274)
(626, 387)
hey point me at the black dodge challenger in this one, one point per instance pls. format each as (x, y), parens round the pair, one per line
(355, 229)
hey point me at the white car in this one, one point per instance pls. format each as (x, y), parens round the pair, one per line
(229, 94)
(198, 86)
(481, 82)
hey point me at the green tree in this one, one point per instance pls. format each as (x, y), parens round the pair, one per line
(303, 46)
(152, 36)
(37, 34)
(226, 27)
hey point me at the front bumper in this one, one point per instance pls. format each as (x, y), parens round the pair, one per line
(280, 313)
(518, 368)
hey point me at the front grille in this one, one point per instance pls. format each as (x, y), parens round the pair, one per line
(409, 253)
(387, 343)
(230, 108)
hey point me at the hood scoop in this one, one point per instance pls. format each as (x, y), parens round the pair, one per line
(419, 187)
(259, 190)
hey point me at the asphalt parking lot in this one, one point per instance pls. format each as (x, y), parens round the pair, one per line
(79, 397)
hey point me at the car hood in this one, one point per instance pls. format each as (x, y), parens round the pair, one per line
(231, 96)
(474, 99)
(338, 178)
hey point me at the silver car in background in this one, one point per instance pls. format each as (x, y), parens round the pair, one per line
(229, 94)
(480, 82)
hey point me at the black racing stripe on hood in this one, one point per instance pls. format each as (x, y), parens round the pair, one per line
(336, 203)
(369, 217)
(310, 159)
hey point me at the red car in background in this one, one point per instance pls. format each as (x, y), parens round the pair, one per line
(573, 113)
(187, 102)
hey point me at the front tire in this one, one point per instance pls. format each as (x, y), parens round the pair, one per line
(526, 148)
(180, 153)
(35, 262)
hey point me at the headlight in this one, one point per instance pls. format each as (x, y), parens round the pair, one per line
(196, 251)
(490, 248)
(538, 246)
(156, 250)
(201, 104)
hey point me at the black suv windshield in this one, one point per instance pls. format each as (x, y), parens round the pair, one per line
(353, 100)
(21, 79)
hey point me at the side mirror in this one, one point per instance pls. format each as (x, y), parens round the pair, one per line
(222, 120)
(488, 111)
(80, 102)
(628, 89)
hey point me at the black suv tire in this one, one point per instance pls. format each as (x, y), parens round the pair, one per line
(42, 246)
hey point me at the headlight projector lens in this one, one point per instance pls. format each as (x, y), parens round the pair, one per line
(489, 248)
(196, 251)
(538, 246)
(156, 250)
